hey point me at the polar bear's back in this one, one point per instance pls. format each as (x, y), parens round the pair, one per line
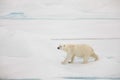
(81, 49)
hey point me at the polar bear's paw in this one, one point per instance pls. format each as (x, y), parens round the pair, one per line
(70, 62)
(63, 62)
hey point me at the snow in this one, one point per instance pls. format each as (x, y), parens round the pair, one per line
(27, 49)
(62, 8)
(31, 30)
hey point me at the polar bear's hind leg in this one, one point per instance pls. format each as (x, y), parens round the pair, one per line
(85, 59)
(95, 56)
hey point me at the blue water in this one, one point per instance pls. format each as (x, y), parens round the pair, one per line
(91, 78)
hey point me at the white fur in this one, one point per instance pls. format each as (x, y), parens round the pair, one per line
(79, 50)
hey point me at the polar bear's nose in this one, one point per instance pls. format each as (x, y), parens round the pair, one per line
(58, 47)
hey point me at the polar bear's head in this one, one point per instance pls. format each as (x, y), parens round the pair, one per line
(61, 47)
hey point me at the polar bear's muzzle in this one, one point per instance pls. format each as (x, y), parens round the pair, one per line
(59, 47)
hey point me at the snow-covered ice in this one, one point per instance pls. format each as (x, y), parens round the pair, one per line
(27, 49)
(31, 30)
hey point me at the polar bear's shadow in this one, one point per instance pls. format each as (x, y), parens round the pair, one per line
(79, 60)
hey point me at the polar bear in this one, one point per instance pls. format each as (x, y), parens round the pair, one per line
(79, 50)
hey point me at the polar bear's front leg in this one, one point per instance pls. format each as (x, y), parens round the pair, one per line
(72, 59)
(68, 57)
